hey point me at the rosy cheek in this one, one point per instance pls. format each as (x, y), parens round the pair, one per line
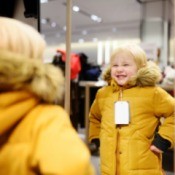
(133, 73)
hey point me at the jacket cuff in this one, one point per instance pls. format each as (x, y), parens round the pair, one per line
(161, 143)
(96, 142)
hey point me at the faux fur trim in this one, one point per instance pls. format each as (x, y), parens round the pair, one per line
(44, 80)
(149, 75)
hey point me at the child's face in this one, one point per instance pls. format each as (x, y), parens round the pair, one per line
(123, 67)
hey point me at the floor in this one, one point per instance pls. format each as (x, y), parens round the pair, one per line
(96, 160)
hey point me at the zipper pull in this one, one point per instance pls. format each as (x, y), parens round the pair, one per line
(120, 97)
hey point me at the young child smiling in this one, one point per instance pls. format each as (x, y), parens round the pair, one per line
(126, 116)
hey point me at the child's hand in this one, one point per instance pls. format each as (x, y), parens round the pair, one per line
(155, 149)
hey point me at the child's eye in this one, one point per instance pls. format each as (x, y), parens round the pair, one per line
(126, 65)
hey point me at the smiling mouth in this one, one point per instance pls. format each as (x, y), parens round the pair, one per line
(121, 76)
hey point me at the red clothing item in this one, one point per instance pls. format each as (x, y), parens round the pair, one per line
(74, 61)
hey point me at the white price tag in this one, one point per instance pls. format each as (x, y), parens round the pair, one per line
(122, 112)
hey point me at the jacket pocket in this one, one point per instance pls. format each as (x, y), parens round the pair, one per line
(140, 155)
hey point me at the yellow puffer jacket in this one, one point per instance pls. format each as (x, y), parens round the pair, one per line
(125, 150)
(36, 136)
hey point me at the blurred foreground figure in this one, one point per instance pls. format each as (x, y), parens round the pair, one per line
(36, 136)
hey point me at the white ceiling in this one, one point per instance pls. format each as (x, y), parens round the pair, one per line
(120, 19)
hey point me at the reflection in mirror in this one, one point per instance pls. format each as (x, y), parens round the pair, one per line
(99, 27)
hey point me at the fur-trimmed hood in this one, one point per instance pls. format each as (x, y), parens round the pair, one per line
(148, 75)
(44, 80)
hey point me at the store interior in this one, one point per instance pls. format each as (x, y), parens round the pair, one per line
(91, 30)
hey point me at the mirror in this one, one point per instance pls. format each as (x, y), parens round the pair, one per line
(98, 27)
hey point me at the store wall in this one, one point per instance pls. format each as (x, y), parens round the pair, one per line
(98, 52)
(157, 28)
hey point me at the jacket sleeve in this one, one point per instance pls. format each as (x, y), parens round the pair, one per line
(165, 107)
(58, 148)
(94, 119)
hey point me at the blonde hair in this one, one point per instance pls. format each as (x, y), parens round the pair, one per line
(137, 52)
(20, 38)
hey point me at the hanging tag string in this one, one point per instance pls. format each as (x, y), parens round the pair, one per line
(120, 97)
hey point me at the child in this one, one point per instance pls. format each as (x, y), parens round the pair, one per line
(36, 136)
(125, 117)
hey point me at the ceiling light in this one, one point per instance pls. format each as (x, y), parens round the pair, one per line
(45, 20)
(53, 24)
(96, 18)
(64, 28)
(76, 9)
(43, 1)
(84, 32)
(81, 40)
(85, 13)
(95, 39)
